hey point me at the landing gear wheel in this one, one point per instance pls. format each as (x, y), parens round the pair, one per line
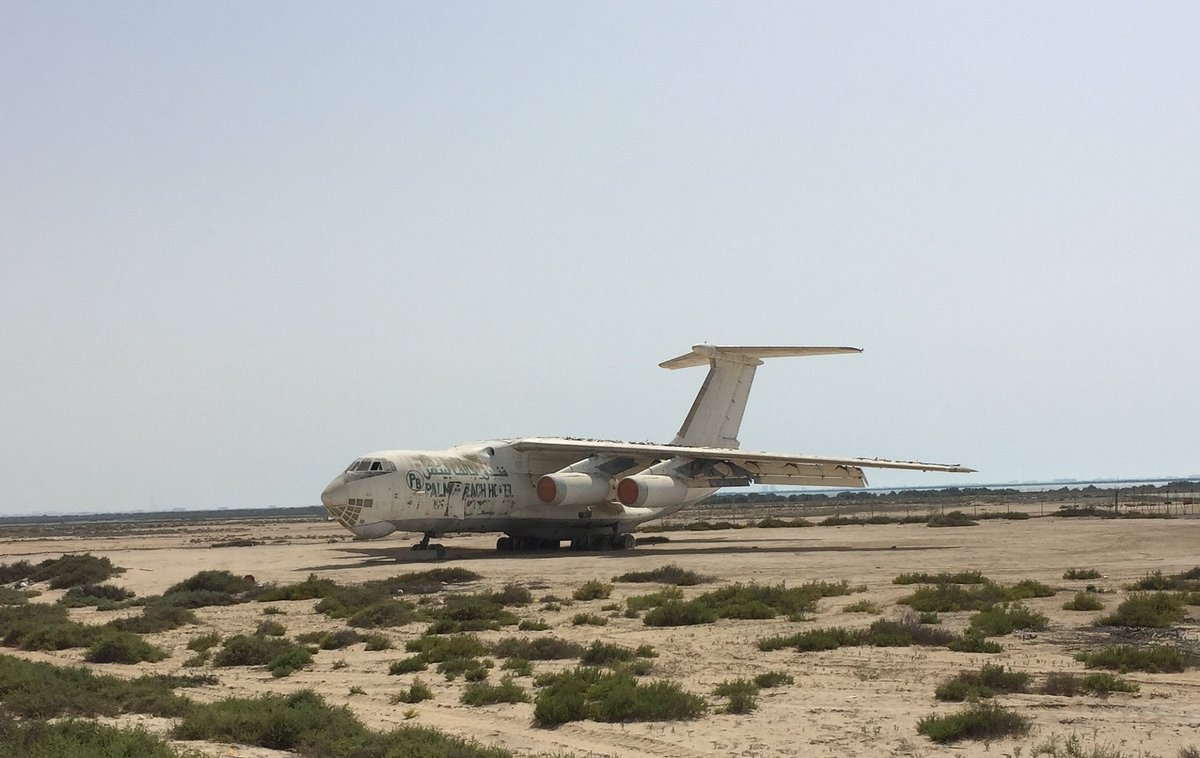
(440, 552)
(505, 544)
(624, 541)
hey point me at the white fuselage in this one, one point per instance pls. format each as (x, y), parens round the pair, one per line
(477, 487)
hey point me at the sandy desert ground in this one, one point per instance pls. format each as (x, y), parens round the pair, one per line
(851, 701)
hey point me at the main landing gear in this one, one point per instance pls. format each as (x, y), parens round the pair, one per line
(438, 552)
(604, 542)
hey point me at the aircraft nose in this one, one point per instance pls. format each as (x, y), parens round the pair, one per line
(334, 495)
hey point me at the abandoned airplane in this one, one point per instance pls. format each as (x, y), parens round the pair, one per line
(540, 491)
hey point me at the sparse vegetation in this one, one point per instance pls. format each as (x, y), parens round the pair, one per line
(304, 723)
(669, 574)
(864, 606)
(591, 693)
(953, 518)
(122, 647)
(35, 690)
(960, 577)
(1152, 658)
(984, 683)
(1065, 684)
(588, 619)
(280, 656)
(1147, 609)
(1006, 618)
(593, 589)
(1081, 573)
(417, 692)
(536, 648)
(979, 721)
(95, 595)
(741, 695)
(270, 629)
(80, 738)
(882, 633)
(607, 653)
(481, 693)
(1083, 601)
(528, 625)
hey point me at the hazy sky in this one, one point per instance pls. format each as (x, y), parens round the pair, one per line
(243, 243)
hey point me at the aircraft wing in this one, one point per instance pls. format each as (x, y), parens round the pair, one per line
(729, 467)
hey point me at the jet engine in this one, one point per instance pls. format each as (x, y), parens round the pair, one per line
(572, 488)
(651, 491)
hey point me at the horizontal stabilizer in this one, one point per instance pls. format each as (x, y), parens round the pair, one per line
(701, 355)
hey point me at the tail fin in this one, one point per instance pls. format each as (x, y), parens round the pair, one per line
(716, 413)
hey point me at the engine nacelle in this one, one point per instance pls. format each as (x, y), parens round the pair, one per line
(572, 489)
(651, 491)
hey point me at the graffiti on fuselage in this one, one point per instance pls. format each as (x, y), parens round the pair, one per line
(446, 482)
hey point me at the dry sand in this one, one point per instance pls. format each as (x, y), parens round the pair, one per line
(855, 701)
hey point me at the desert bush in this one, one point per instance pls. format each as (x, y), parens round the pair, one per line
(812, 640)
(677, 613)
(1153, 658)
(212, 581)
(1103, 683)
(94, 594)
(1062, 684)
(417, 692)
(408, 665)
(959, 577)
(273, 652)
(37, 626)
(274, 610)
(1081, 573)
(435, 649)
(1083, 601)
(512, 594)
(669, 574)
(953, 518)
(589, 693)
(155, 618)
(506, 691)
(72, 571)
(201, 598)
(378, 642)
(15, 572)
(980, 721)
(304, 723)
(929, 617)
(122, 647)
(973, 643)
(773, 679)
(528, 625)
(755, 601)
(1004, 619)
(1027, 588)
(311, 588)
(944, 598)
(80, 739)
(536, 648)
(452, 667)
(775, 523)
(270, 629)
(35, 690)
(863, 606)
(471, 613)
(1147, 609)
(741, 694)
(384, 613)
(13, 596)
(588, 619)
(644, 602)
(592, 589)
(519, 666)
(203, 642)
(984, 683)
(607, 653)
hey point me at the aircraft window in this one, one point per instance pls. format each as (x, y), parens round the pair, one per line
(376, 466)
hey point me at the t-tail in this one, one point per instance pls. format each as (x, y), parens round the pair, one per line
(716, 413)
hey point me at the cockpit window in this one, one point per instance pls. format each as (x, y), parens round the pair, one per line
(370, 467)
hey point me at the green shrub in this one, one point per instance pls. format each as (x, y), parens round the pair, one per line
(1027, 588)
(980, 721)
(452, 667)
(1153, 658)
(588, 619)
(589, 693)
(863, 606)
(974, 643)
(742, 695)
(270, 629)
(80, 739)
(408, 665)
(519, 666)
(272, 610)
(252, 650)
(607, 653)
(304, 723)
(38, 626)
(528, 625)
(943, 598)
(512, 594)
(1103, 683)
(536, 648)
(1083, 601)
(929, 617)
(506, 691)
(653, 599)
(122, 647)
(669, 574)
(953, 518)
(311, 588)
(593, 589)
(1081, 573)
(35, 690)
(436, 649)
(155, 618)
(201, 598)
(203, 642)
(73, 570)
(378, 642)
(773, 679)
(1004, 619)
(94, 594)
(813, 640)
(417, 692)
(1062, 684)
(676, 613)
(383, 613)
(1147, 609)
(961, 577)
(288, 660)
(985, 683)
(212, 581)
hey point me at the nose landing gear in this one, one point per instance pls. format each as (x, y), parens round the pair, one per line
(438, 551)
